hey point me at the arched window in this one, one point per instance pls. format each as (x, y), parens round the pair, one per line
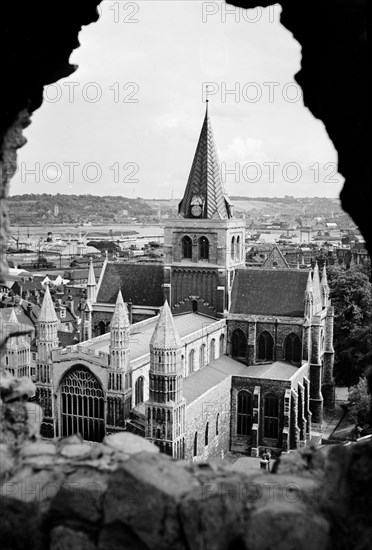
(212, 350)
(194, 305)
(138, 390)
(233, 248)
(265, 347)
(195, 450)
(82, 404)
(203, 248)
(292, 348)
(202, 355)
(239, 344)
(217, 423)
(191, 361)
(187, 247)
(222, 344)
(271, 416)
(238, 251)
(244, 413)
(206, 435)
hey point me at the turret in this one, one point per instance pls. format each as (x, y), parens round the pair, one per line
(316, 290)
(324, 288)
(309, 297)
(47, 338)
(119, 396)
(119, 335)
(165, 409)
(91, 284)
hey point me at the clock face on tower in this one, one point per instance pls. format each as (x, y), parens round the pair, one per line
(196, 210)
(196, 206)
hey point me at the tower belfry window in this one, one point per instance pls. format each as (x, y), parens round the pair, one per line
(187, 247)
(203, 248)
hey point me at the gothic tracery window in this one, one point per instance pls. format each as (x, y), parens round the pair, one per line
(265, 346)
(244, 413)
(292, 348)
(271, 416)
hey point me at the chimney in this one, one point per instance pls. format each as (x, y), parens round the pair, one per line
(70, 302)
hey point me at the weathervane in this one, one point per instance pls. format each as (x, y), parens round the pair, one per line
(206, 94)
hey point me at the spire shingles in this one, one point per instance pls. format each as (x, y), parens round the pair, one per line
(204, 180)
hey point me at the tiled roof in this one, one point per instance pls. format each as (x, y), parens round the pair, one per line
(210, 376)
(22, 318)
(269, 292)
(204, 179)
(141, 284)
(275, 259)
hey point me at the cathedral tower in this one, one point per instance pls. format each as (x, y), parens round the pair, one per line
(119, 395)
(206, 244)
(165, 409)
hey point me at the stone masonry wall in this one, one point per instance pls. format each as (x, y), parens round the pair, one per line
(203, 410)
(124, 494)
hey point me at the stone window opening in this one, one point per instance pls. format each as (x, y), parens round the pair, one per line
(238, 251)
(238, 344)
(244, 413)
(191, 361)
(265, 346)
(212, 351)
(187, 247)
(203, 248)
(139, 390)
(206, 435)
(217, 423)
(292, 348)
(195, 447)
(202, 355)
(271, 416)
(232, 248)
(222, 344)
(82, 405)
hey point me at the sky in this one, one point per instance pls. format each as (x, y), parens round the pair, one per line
(128, 120)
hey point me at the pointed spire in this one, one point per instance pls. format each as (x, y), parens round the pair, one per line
(309, 284)
(204, 190)
(120, 319)
(47, 311)
(316, 287)
(324, 281)
(165, 335)
(13, 317)
(91, 276)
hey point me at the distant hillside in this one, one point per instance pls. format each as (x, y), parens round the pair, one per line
(59, 208)
(31, 209)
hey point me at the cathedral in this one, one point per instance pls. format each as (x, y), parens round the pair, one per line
(201, 355)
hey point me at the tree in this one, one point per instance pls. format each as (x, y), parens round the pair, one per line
(350, 292)
(359, 403)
